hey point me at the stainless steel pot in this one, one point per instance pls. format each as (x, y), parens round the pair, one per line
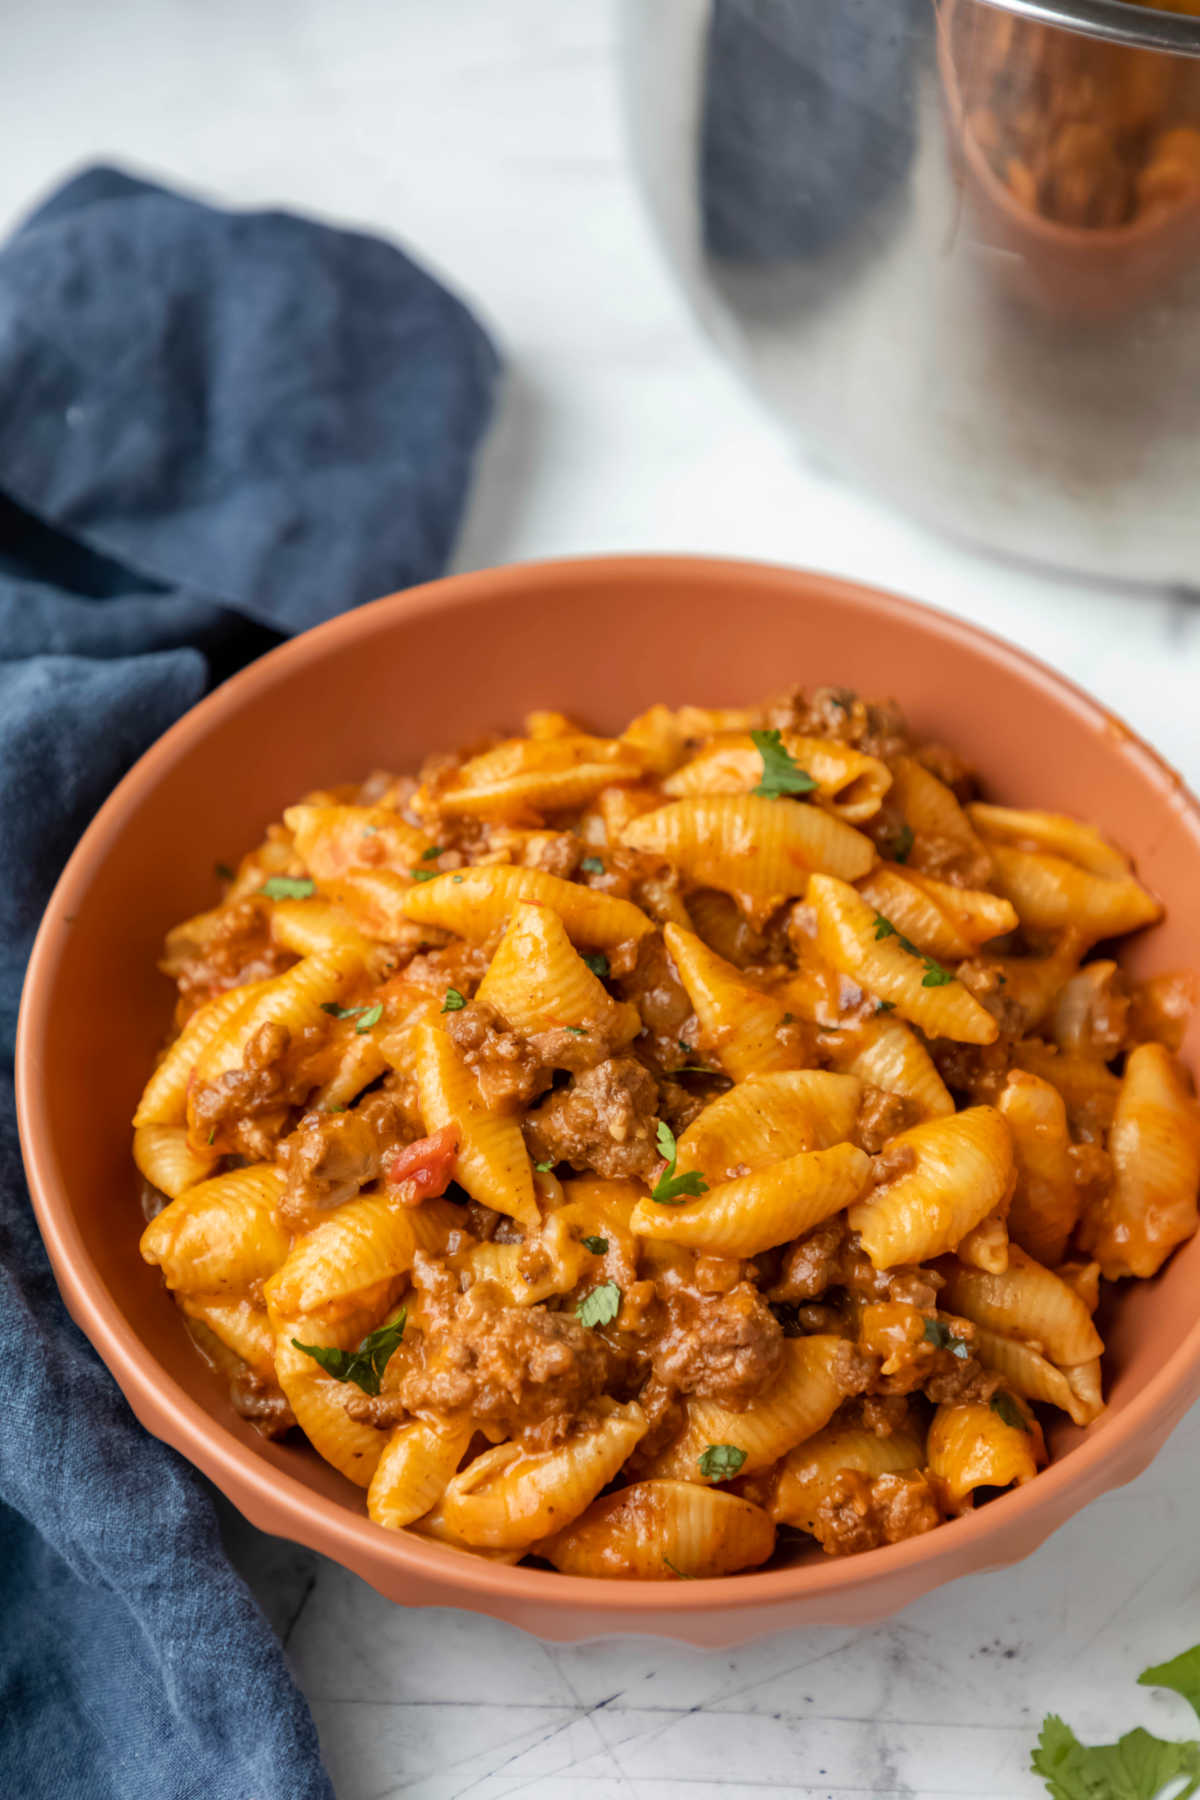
(955, 246)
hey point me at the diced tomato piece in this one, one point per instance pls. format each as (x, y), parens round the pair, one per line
(422, 1170)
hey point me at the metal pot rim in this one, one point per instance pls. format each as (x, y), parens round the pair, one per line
(1115, 20)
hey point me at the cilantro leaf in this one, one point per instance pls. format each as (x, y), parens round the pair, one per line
(885, 1006)
(456, 879)
(681, 1573)
(1182, 1673)
(453, 1001)
(365, 1365)
(424, 874)
(288, 887)
(884, 928)
(720, 1462)
(670, 1188)
(591, 865)
(601, 1306)
(1137, 1767)
(543, 1168)
(371, 1016)
(597, 1245)
(935, 975)
(366, 1015)
(938, 1333)
(903, 843)
(598, 964)
(432, 854)
(781, 773)
(577, 1030)
(1006, 1408)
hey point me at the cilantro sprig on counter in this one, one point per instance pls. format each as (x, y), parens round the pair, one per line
(935, 975)
(670, 1189)
(781, 774)
(1139, 1766)
(364, 1366)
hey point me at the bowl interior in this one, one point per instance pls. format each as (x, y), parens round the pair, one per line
(427, 670)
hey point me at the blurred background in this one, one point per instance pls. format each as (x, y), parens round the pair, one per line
(773, 280)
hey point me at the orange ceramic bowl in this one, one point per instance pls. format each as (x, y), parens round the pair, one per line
(428, 668)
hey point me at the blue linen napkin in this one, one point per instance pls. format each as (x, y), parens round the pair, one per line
(215, 428)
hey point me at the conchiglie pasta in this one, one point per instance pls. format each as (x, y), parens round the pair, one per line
(508, 1498)
(661, 737)
(1155, 1150)
(164, 1101)
(757, 849)
(743, 1023)
(809, 1471)
(962, 1169)
(772, 1206)
(943, 921)
(932, 812)
(867, 948)
(1028, 1373)
(492, 1163)
(239, 1325)
(1028, 1302)
(886, 1054)
(766, 1118)
(361, 1245)
(164, 1157)
(537, 980)
(850, 783)
(1051, 894)
(1045, 1204)
(480, 901)
(802, 1398)
(220, 1236)
(331, 840)
(971, 1446)
(1069, 838)
(534, 776)
(319, 1400)
(295, 1000)
(411, 1475)
(663, 1531)
(309, 926)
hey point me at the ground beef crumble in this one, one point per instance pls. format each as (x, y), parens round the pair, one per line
(602, 1120)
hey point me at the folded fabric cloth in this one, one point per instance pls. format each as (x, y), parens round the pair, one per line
(215, 428)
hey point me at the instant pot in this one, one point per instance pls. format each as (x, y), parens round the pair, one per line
(955, 246)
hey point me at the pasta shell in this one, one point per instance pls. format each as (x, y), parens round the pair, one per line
(1045, 1203)
(661, 737)
(479, 902)
(162, 1155)
(802, 1399)
(886, 1054)
(220, 1236)
(1030, 1374)
(164, 1101)
(1062, 836)
(508, 1498)
(492, 1164)
(530, 776)
(662, 1531)
(766, 1118)
(1034, 982)
(239, 1325)
(970, 1447)
(361, 1244)
(931, 810)
(411, 1474)
(1026, 1302)
(319, 1401)
(375, 900)
(743, 1024)
(848, 936)
(331, 840)
(537, 980)
(294, 1000)
(809, 1471)
(962, 1170)
(944, 921)
(849, 783)
(308, 927)
(749, 846)
(1051, 894)
(772, 1206)
(1155, 1148)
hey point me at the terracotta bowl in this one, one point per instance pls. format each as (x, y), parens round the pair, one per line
(428, 668)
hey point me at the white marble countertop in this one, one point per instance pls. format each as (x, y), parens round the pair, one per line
(488, 138)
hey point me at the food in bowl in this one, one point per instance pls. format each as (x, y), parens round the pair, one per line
(615, 1151)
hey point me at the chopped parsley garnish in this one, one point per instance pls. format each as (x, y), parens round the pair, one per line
(781, 772)
(671, 1188)
(365, 1365)
(223, 872)
(694, 1069)
(938, 1333)
(601, 1306)
(453, 1001)
(366, 1015)
(337, 1106)
(597, 962)
(578, 1030)
(1139, 1766)
(1006, 1408)
(212, 1136)
(682, 1573)
(543, 1168)
(885, 1006)
(433, 852)
(424, 874)
(597, 1245)
(456, 879)
(591, 865)
(288, 887)
(902, 846)
(720, 1462)
(935, 975)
